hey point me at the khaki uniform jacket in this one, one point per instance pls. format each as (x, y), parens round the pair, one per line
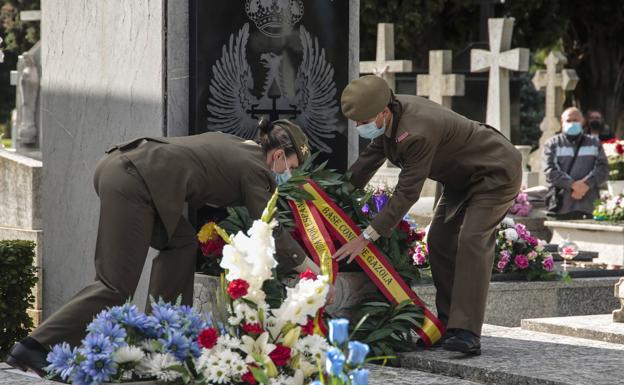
(427, 140)
(214, 169)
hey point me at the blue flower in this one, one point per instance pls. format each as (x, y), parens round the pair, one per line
(338, 331)
(359, 377)
(131, 317)
(62, 360)
(192, 322)
(178, 345)
(80, 377)
(165, 315)
(113, 331)
(96, 344)
(316, 383)
(357, 353)
(99, 367)
(335, 361)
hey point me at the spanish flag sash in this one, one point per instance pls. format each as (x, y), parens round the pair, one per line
(317, 218)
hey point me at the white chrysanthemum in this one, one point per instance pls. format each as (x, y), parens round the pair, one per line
(217, 374)
(310, 345)
(511, 235)
(228, 342)
(308, 368)
(127, 354)
(283, 379)
(158, 365)
(508, 222)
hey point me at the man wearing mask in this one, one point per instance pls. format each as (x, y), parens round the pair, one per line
(596, 126)
(480, 171)
(576, 163)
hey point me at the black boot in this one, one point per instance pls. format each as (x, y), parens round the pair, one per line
(463, 341)
(28, 354)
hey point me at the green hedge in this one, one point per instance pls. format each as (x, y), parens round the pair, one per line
(17, 277)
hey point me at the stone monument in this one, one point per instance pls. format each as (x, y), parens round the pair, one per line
(555, 80)
(499, 60)
(618, 315)
(385, 64)
(440, 85)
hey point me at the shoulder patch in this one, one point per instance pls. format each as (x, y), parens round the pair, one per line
(402, 137)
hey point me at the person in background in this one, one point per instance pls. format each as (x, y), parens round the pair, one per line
(579, 178)
(596, 126)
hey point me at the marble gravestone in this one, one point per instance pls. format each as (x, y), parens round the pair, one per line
(112, 71)
(555, 81)
(499, 60)
(283, 60)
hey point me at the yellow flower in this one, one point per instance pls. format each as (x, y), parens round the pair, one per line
(208, 232)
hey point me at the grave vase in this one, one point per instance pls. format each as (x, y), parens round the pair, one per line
(616, 187)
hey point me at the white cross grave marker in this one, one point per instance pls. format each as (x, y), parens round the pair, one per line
(499, 60)
(440, 85)
(384, 65)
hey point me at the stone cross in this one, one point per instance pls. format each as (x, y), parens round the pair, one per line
(555, 80)
(618, 315)
(440, 85)
(1, 53)
(499, 60)
(384, 65)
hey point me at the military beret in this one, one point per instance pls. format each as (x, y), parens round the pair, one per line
(298, 138)
(365, 97)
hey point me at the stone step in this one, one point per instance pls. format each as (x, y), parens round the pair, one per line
(513, 356)
(594, 327)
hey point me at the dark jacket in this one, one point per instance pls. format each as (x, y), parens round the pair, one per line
(214, 169)
(428, 140)
(591, 162)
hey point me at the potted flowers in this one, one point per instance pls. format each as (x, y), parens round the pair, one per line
(614, 150)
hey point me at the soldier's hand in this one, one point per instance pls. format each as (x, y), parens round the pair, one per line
(351, 249)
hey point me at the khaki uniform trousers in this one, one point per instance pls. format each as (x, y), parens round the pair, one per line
(461, 254)
(128, 225)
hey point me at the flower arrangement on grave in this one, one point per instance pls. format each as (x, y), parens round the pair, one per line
(614, 150)
(244, 341)
(609, 208)
(517, 251)
(405, 249)
(521, 207)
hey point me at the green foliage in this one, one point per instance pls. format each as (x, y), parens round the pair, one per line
(531, 112)
(387, 328)
(17, 278)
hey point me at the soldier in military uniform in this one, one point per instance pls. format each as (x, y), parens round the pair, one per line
(143, 185)
(481, 174)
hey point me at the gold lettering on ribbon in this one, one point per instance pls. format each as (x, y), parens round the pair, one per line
(319, 243)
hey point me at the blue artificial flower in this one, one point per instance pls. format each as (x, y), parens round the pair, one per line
(359, 377)
(80, 377)
(96, 344)
(192, 323)
(116, 333)
(132, 318)
(100, 367)
(62, 360)
(338, 331)
(316, 383)
(335, 361)
(166, 316)
(178, 345)
(357, 353)
(195, 349)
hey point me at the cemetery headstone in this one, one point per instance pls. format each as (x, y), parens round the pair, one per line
(499, 60)
(555, 81)
(440, 85)
(385, 64)
(282, 60)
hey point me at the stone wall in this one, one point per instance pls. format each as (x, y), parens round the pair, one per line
(106, 78)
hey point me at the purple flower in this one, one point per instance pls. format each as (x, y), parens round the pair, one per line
(548, 263)
(380, 199)
(521, 261)
(522, 231)
(505, 255)
(366, 209)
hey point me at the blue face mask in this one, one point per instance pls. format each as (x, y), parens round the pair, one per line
(572, 128)
(283, 177)
(370, 130)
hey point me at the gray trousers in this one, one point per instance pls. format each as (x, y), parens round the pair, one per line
(128, 225)
(461, 254)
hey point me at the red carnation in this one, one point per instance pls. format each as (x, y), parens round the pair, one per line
(308, 274)
(238, 288)
(248, 378)
(619, 149)
(308, 328)
(214, 247)
(253, 328)
(208, 338)
(280, 355)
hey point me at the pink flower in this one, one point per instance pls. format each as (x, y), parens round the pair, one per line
(532, 255)
(548, 263)
(522, 231)
(501, 265)
(505, 255)
(521, 261)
